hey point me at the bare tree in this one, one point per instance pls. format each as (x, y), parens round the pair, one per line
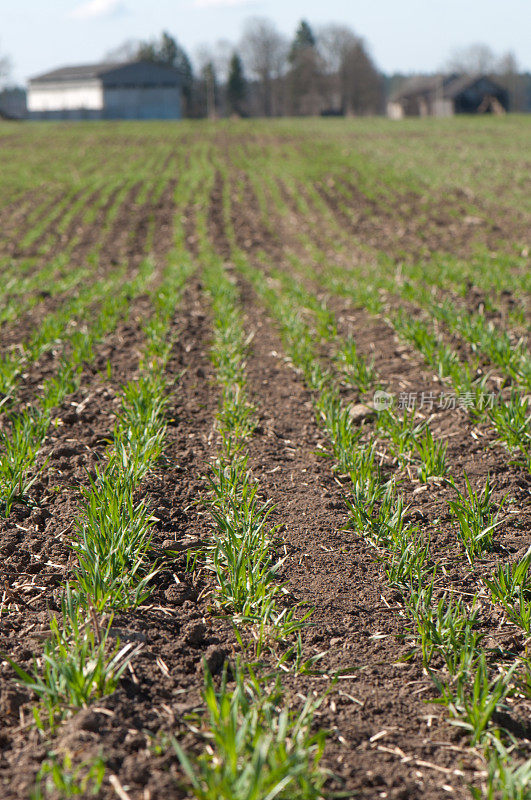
(264, 52)
(223, 51)
(218, 54)
(334, 43)
(208, 81)
(127, 51)
(508, 74)
(5, 69)
(355, 85)
(472, 59)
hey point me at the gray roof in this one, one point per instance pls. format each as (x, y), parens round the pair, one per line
(74, 73)
(452, 85)
(420, 85)
(463, 82)
(124, 73)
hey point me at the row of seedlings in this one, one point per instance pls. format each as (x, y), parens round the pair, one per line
(23, 432)
(408, 441)
(473, 690)
(404, 437)
(513, 418)
(104, 197)
(509, 416)
(55, 325)
(256, 745)
(114, 566)
(506, 351)
(54, 329)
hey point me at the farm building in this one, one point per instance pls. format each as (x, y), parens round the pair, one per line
(135, 90)
(13, 103)
(446, 95)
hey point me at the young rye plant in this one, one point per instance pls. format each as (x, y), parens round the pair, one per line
(359, 371)
(476, 518)
(512, 420)
(19, 445)
(446, 628)
(432, 456)
(241, 551)
(256, 747)
(61, 778)
(474, 698)
(77, 665)
(511, 588)
(111, 543)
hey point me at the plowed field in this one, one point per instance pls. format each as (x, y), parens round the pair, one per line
(265, 460)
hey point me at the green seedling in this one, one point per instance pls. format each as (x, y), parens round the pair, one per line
(236, 414)
(19, 447)
(511, 588)
(445, 629)
(512, 420)
(472, 705)
(111, 543)
(240, 555)
(409, 562)
(432, 455)
(477, 518)
(294, 661)
(400, 432)
(378, 515)
(64, 779)
(338, 423)
(359, 371)
(257, 747)
(505, 781)
(75, 667)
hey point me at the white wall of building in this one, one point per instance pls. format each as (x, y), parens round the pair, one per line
(65, 96)
(395, 110)
(443, 108)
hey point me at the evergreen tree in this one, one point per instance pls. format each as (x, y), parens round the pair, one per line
(236, 87)
(304, 80)
(168, 51)
(147, 51)
(304, 39)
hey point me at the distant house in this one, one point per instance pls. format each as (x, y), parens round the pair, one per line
(446, 95)
(135, 90)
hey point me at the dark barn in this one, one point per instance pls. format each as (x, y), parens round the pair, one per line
(446, 95)
(474, 95)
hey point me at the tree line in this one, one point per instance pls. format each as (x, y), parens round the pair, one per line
(324, 71)
(328, 71)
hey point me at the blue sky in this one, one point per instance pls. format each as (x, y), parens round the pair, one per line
(411, 35)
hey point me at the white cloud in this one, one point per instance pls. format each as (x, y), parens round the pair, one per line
(94, 9)
(219, 3)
